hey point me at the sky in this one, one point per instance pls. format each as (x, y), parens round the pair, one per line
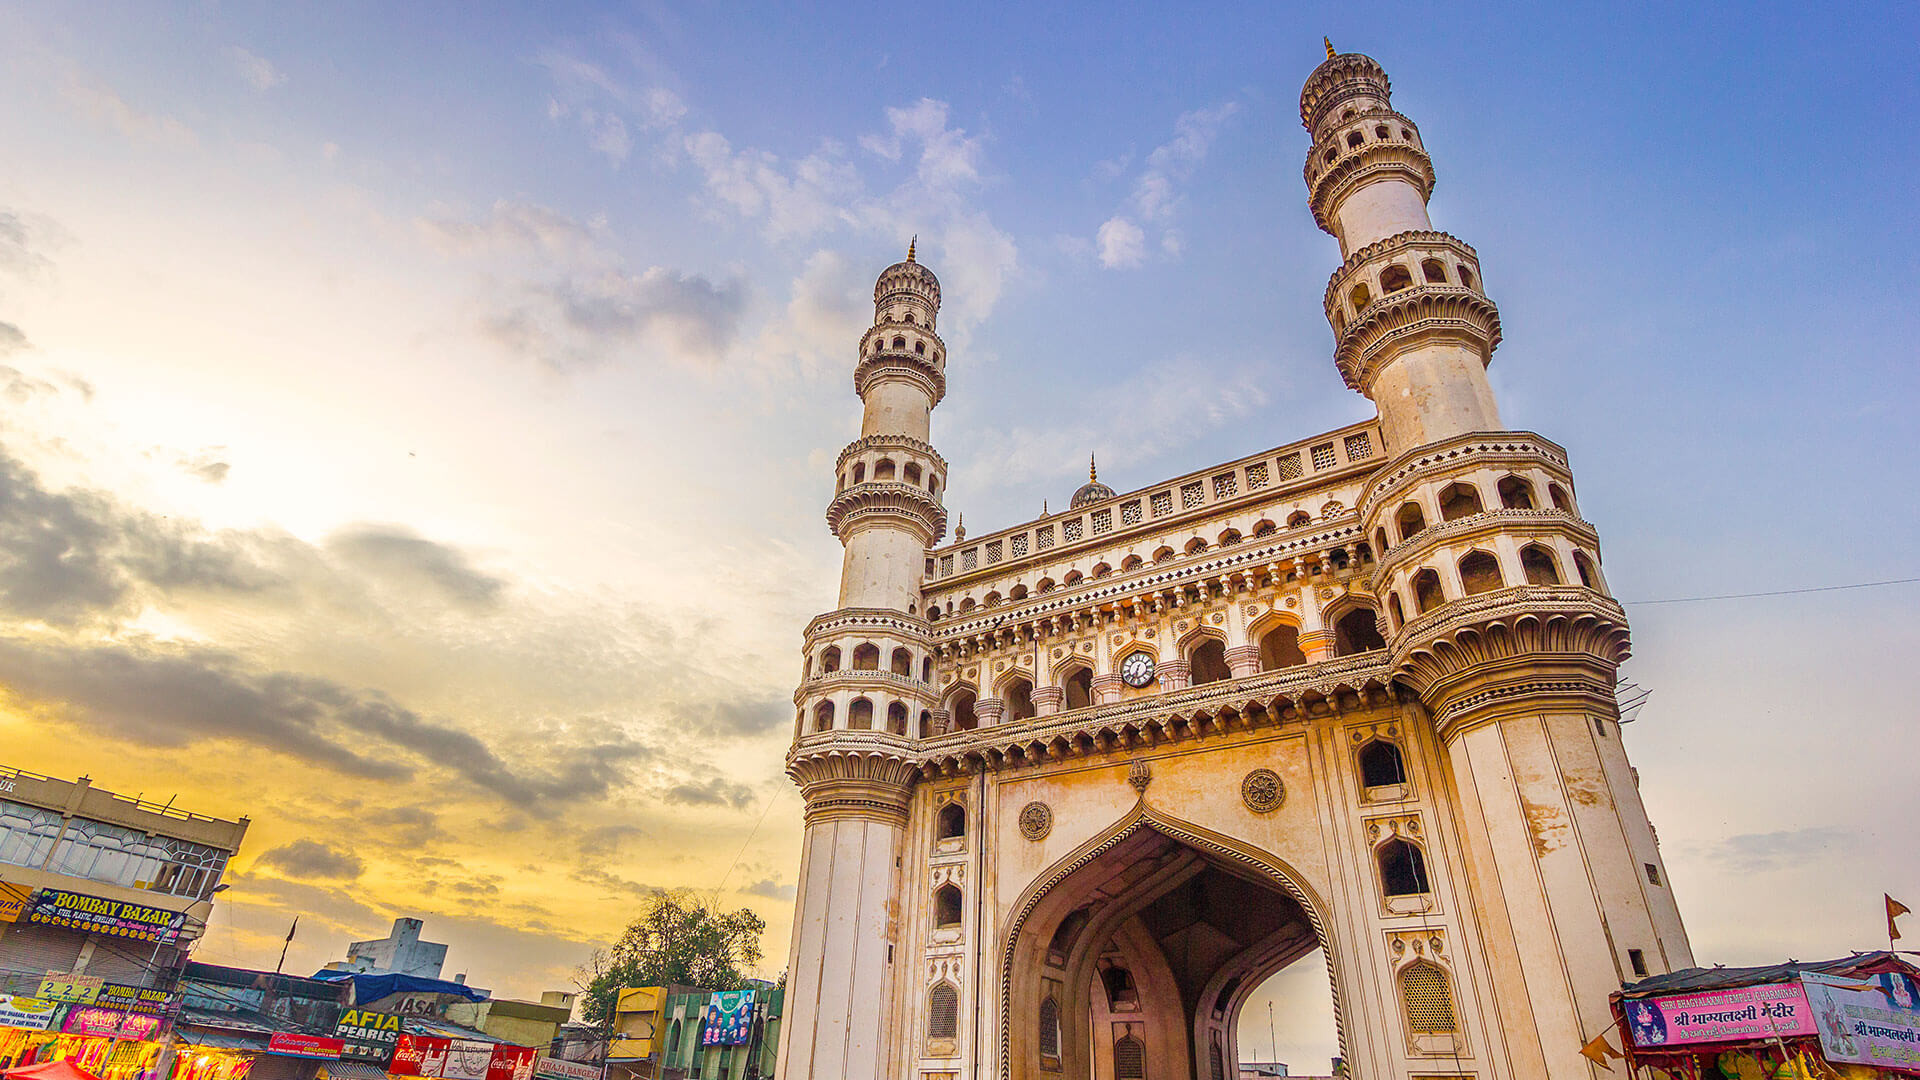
(416, 420)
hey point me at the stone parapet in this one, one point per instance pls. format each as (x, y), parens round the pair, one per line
(890, 363)
(1418, 315)
(1369, 163)
(888, 503)
(872, 443)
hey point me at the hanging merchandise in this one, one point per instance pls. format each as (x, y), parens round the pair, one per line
(203, 1063)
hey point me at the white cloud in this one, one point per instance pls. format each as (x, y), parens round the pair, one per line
(1121, 243)
(257, 71)
(102, 105)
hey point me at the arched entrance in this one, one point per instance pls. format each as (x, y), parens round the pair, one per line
(1133, 956)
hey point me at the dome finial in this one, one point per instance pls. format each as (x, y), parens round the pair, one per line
(1329, 44)
(911, 244)
(1093, 470)
(960, 527)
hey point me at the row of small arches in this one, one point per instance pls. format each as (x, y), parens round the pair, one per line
(860, 716)
(1480, 573)
(1358, 137)
(1397, 277)
(866, 657)
(885, 472)
(1461, 499)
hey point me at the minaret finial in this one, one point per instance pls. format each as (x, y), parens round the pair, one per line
(1093, 470)
(960, 527)
(911, 244)
(1043, 508)
(1329, 44)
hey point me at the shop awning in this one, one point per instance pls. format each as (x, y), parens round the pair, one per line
(50, 1070)
(355, 1070)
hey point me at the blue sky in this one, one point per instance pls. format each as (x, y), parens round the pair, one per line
(509, 348)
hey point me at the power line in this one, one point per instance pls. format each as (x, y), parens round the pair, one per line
(1775, 592)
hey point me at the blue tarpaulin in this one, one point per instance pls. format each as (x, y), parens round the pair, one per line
(372, 986)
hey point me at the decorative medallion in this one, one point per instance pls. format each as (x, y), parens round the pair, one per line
(1036, 820)
(1140, 774)
(1293, 601)
(1218, 618)
(1253, 610)
(1263, 791)
(1137, 669)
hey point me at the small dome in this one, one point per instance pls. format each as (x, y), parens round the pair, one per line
(1093, 490)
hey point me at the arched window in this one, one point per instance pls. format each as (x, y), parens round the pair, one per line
(933, 613)
(1074, 577)
(1410, 520)
(1434, 271)
(1122, 992)
(926, 723)
(1163, 555)
(1130, 1054)
(1360, 296)
(1394, 278)
(943, 1011)
(920, 347)
(859, 471)
(1429, 999)
(1426, 591)
(1380, 131)
(1403, 869)
(961, 710)
(1209, 661)
(1131, 562)
(911, 474)
(991, 599)
(1018, 695)
(883, 469)
(897, 718)
(953, 822)
(1380, 542)
(866, 657)
(1584, 567)
(1280, 648)
(1050, 1028)
(1539, 564)
(1381, 764)
(1299, 519)
(823, 716)
(1196, 545)
(1558, 496)
(1079, 687)
(1101, 570)
(830, 660)
(902, 662)
(1398, 613)
(1357, 631)
(673, 1037)
(1516, 493)
(1264, 528)
(1018, 592)
(1479, 573)
(860, 715)
(1354, 138)
(899, 343)
(1229, 538)
(1466, 276)
(1046, 585)
(946, 905)
(1458, 501)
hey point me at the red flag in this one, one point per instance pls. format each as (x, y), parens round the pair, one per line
(1894, 909)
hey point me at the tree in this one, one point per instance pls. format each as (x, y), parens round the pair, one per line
(674, 939)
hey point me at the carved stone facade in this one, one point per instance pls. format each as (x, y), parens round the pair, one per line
(1076, 787)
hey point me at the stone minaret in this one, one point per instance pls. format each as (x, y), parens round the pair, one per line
(866, 695)
(1495, 615)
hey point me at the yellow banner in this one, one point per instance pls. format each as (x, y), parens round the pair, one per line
(13, 901)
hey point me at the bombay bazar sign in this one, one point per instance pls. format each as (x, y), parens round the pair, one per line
(99, 915)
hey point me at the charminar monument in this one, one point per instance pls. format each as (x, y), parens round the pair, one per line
(1076, 787)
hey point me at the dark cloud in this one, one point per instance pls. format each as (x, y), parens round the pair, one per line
(585, 321)
(399, 554)
(414, 826)
(179, 696)
(12, 340)
(313, 859)
(716, 791)
(1757, 852)
(770, 889)
(750, 717)
(20, 239)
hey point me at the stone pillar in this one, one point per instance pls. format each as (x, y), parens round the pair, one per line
(840, 968)
(989, 710)
(1176, 675)
(1048, 699)
(1317, 645)
(1106, 689)
(1243, 661)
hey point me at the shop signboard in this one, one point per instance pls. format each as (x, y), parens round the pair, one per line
(729, 1018)
(511, 1063)
(295, 1044)
(367, 1035)
(419, 1055)
(25, 1012)
(1867, 1021)
(1769, 1010)
(70, 988)
(99, 915)
(549, 1067)
(13, 901)
(467, 1059)
(139, 999)
(110, 1023)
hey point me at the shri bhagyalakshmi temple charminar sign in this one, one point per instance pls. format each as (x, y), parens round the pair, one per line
(1075, 788)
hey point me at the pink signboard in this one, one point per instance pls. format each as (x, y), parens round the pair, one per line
(112, 1023)
(1747, 1012)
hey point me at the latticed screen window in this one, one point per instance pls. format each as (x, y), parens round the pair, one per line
(1192, 495)
(1323, 456)
(1162, 503)
(1130, 1059)
(946, 565)
(1071, 529)
(1289, 467)
(1102, 522)
(1225, 486)
(1019, 545)
(1050, 1028)
(993, 551)
(1256, 476)
(969, 558)
(1359, 447)
(1043, 537)
(1428, 998)
(1130, 513)
(943, 1012)
(1217, 1066)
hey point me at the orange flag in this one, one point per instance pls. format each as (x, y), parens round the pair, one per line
(1894, 909)
(1600, 1050)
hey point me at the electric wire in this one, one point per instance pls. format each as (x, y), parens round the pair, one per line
(1774, 592)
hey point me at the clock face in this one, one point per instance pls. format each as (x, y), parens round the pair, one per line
(1137, 670)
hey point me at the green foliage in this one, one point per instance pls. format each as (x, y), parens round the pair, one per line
(674, 939)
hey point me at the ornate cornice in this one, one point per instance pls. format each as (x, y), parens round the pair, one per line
(908, 277)
(889, 364)
(1383, 251)
(887, 502)
(866, 443)
(866, 620)
(850, 679)
(1337, 79)
(1418, 315)
(1386, 488)
(1367, 164)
